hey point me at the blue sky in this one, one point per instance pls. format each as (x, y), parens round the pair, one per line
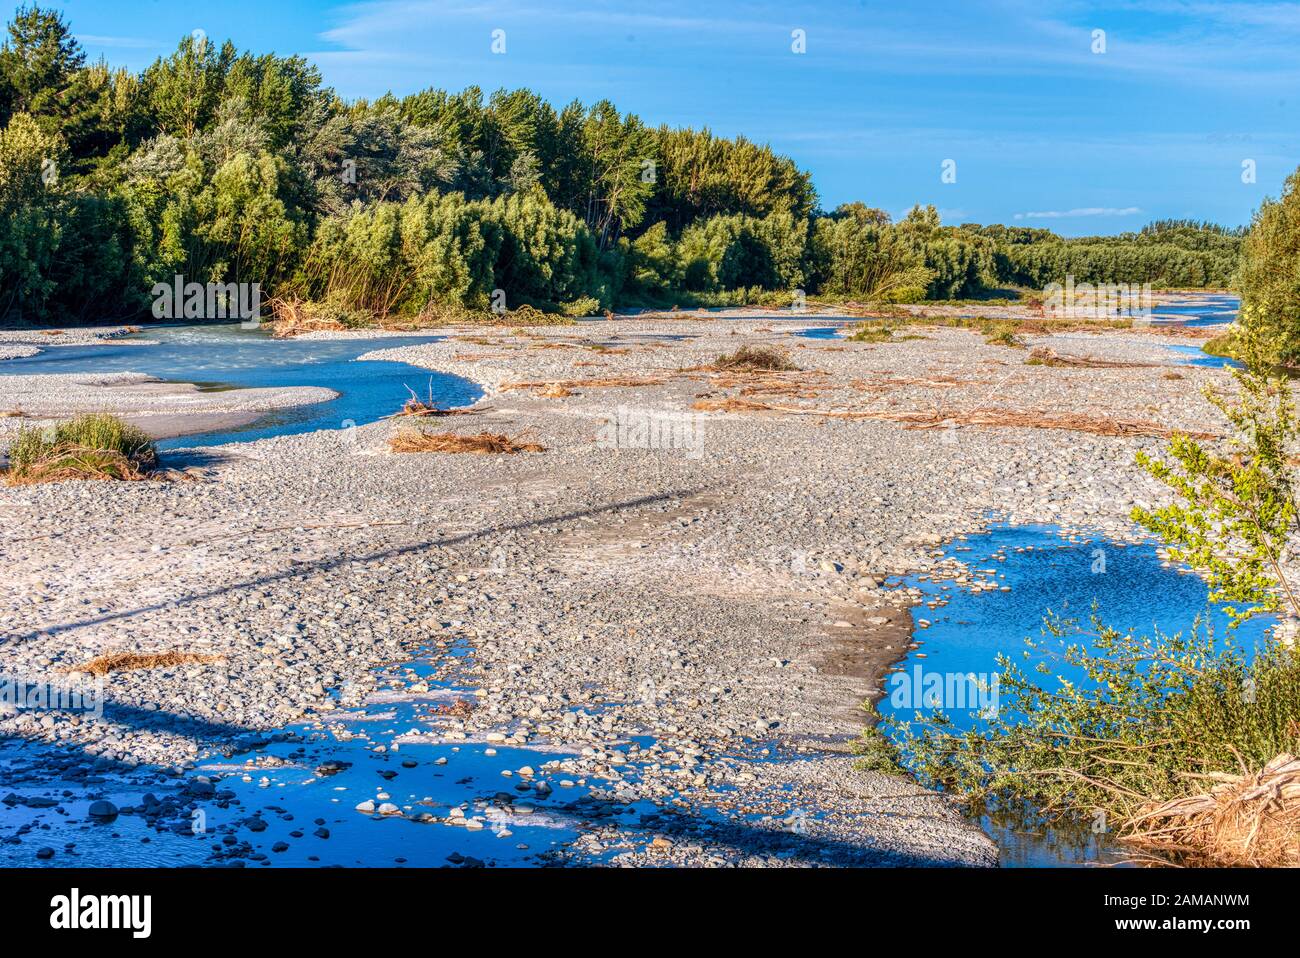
(1043, 130)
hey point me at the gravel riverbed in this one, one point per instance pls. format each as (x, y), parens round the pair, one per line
(707, 582)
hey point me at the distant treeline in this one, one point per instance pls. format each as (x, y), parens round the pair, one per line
(222, 166)
(1182, 253)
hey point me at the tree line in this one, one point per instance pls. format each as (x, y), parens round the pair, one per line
(222, 166)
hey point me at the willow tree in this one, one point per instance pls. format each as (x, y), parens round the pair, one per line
(1236, 513)
(1269, 276)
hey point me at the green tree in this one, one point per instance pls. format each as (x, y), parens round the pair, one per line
(29, 227)
(37, 63)
(185, 89)
(1236, 510)
(857, 252)
(620, 159)
(1269, 276)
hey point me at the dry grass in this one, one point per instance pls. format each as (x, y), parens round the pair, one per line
(930, 382)
(1043, 356)
(1073, 422)
(588, 383)
(293, 317)
(755, 358)
(72, 462)
(1029, 419)
(1248, 820)
(734, 404)
(737, 404)
(94, 446)
(483, 443)
(130, 661)
(788, 390)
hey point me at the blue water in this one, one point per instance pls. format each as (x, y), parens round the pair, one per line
(1202, 311)
(1212, 310)
(225, 356)
(1129, 587)
(272, 796)
(1196, 356)
(822, 332)
(275, 793)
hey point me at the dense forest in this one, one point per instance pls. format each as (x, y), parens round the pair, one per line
(221, 166)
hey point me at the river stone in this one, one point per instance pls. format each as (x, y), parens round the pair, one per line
(103, 809)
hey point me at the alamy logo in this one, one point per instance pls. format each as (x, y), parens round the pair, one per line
(1099, 301)
(632, 428)
(18, 694)
(181, 300)
(75, 911)
(963, 691)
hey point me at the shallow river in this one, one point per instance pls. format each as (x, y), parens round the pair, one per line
(280, 803)
(224, 356)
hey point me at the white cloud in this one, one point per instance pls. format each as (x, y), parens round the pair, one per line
(96, 40)
(1080, 211)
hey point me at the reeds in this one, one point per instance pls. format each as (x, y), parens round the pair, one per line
(94, 447)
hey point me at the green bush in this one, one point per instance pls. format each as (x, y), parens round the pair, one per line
(1269, 276)
(90, 446)
(1147, 712)
(586, 306)
(737, 251)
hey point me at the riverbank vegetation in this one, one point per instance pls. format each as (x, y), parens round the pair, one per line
(1269, 281)
(229, 167)
(1146, 721)
(94, 446)
(1132, 731)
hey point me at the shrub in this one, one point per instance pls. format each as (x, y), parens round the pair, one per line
(731, 252)
(1149, 716)
(1237, 515)
(879, 331)
(93, 446)
(1000, 333)
(583, 306)
(756, 358)
(1269, 275)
